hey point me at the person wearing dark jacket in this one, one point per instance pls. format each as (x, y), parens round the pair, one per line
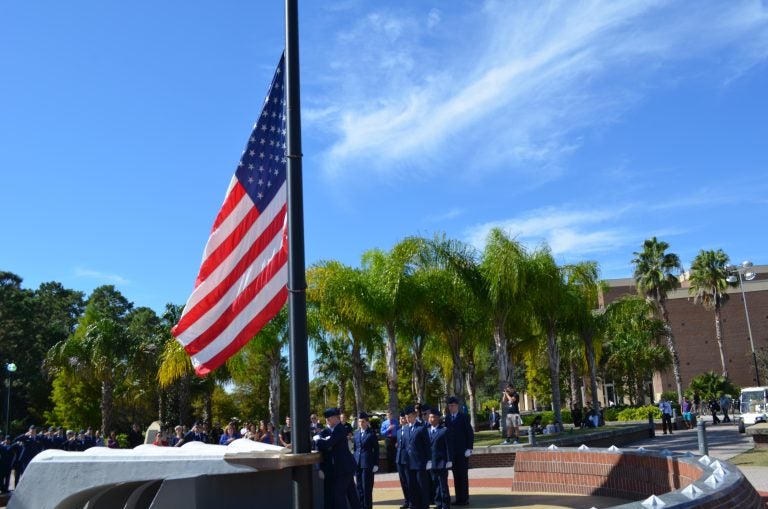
(418, 450)
(401, 461)
(462, 437)
(31, 446)
(7, 457)
(366, 453)
(339, 464)
(441, 454)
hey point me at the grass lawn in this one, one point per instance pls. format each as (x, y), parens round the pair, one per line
(753, 458)
(495, 438)
(485, 438)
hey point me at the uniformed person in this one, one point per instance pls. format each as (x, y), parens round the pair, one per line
(366, 453)
(338, 463)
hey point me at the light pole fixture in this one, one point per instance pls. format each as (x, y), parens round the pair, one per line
(10, 368)
(744, 272)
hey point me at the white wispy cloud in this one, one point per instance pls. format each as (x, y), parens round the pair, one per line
(565, 231)
(101, 276)
(520, 82)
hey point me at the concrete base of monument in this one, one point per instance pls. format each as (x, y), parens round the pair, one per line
(244, 474)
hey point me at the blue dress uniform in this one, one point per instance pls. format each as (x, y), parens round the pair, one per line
(418, 451)
(441, 456)
(366, 453)
(401, 461)
(462, 437)
(7, 458)
(31, 446)
(339, 464)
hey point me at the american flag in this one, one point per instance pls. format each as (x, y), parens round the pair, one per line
(242, 280)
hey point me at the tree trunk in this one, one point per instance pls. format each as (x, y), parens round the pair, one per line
(357, 377)
(185, 399)
(672, 351)
(274, 388)
(162, 414)
(454, 343)
(391, 353)
(342, 399)
(574, 382)
(589, 344)
(502, 355)
(554, 371)
(418, 376)
(470, 382)
(107, 390)
(720, 339)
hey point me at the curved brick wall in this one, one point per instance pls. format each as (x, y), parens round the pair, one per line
(681, 481)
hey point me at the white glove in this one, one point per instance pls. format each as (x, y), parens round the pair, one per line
(316, 438)
(429, 465)
(467, 453)
(449, 464)
(375, 468)
(321, 474)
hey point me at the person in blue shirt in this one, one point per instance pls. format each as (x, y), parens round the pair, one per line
(388, 432)
(230, 434)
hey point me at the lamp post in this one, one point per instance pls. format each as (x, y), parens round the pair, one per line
(744, 273)
(10, 368)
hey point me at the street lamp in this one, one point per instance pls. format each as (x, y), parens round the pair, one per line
(744, 272)
(10, 368)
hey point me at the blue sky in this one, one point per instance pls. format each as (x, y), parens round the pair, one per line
(587, 125)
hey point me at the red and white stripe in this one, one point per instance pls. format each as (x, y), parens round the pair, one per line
(242, 281)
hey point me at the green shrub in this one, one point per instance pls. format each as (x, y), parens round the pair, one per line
(122, 439)
(611, 413)
(638, 413)
(548, 417)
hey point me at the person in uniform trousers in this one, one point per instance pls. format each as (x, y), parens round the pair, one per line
(365, 446)
(7, 458)
(31, 446)
(338, 463)
(462, 438)
(418, 449)
(401, 460)
(441, 454)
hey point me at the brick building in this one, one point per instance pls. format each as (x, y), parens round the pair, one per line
(693, 327)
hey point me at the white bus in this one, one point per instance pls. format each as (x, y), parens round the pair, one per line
(754, 406)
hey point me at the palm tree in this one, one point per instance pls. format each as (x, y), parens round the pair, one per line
(496, 281)
(552, 305)
(176, 368)
(100, 346)
(708, 283)
(584, 279)
(387, 296)
(268, 343)
(654, 277)
(631, 335)
(333, 307)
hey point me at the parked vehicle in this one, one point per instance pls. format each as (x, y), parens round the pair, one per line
(754, 406)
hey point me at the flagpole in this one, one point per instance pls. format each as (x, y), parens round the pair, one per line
(297, 284)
